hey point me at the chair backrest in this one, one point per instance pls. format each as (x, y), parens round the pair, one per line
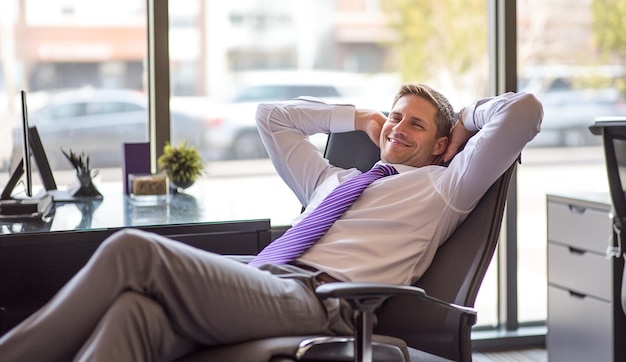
(341, 150)
(455, 274)
(613, 134)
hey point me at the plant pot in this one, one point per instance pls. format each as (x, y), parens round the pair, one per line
(85, 187)
(180, 185)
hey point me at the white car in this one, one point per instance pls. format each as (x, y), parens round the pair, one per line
(97, 122)
(570, 110)
(232, 131)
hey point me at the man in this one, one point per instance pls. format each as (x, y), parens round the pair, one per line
(144, 297)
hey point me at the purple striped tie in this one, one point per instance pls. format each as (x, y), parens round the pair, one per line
(298, 239)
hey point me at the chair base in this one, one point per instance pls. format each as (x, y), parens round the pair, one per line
(301, 348)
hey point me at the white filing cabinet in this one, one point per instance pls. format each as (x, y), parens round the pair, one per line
(585, 319)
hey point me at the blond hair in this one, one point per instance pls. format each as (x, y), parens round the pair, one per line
(444, 118)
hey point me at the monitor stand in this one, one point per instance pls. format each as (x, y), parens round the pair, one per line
(23, 207)
(37, 206)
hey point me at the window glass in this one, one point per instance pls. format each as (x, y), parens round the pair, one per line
(104, 108)
(76, 60)
(281, 92)
(226, 57)
(260, 93)
(64, 111)
(573, 64)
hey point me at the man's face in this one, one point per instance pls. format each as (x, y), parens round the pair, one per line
(408, 135)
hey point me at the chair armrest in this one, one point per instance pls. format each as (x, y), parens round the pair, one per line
(366, 295)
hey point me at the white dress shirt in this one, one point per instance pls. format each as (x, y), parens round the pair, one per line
(393, 230)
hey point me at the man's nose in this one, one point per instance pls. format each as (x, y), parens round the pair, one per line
(399, 127)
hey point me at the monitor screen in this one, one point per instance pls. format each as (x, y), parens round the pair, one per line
(15, 205)
(26, 148)
(24, 166)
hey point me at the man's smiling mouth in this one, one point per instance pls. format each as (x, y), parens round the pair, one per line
(396, 141)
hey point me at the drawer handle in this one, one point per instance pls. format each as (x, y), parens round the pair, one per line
(577, 209)
(576, 251)
(577, 295)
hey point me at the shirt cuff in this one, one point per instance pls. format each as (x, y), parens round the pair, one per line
(342, 118)
(468, 114)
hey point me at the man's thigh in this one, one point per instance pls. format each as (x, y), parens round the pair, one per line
(216, 300)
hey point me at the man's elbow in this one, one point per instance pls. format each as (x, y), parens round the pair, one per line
(532, 106)
(263, 111)
(530, 110)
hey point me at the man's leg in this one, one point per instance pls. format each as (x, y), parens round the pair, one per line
(208, 298)
(135, 328)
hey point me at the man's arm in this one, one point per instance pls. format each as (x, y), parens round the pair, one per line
(458, 136)
(371, 122)
(502, 126)
(284, 128)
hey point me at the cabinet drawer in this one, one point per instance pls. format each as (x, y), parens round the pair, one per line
(585, 272)
(579, 328)
(581, 227)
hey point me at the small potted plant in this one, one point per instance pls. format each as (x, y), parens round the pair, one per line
(182, 164)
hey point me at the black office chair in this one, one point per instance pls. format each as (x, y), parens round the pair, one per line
(434, 317)
(613, 134)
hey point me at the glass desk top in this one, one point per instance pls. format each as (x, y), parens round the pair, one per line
(197, 204)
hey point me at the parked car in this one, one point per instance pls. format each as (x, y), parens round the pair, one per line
(232, 131)
(568, 115)
(569, 111)
(98, 122)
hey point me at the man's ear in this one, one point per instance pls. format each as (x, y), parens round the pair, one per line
(440, 145)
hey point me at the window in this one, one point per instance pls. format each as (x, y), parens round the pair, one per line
(562, 59)
(281, 92)
(73, 59)
(359, 52)
(63, 111)
(105, 108)
(343, 51)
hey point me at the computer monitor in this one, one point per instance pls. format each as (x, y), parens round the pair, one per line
(24, 167)
(28, 166)
(14, 204)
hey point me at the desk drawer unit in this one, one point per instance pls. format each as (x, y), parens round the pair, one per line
(580, 227)
(579, 327)
(580, 271)
(585, 320)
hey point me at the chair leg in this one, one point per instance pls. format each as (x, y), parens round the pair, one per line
(363, 337)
